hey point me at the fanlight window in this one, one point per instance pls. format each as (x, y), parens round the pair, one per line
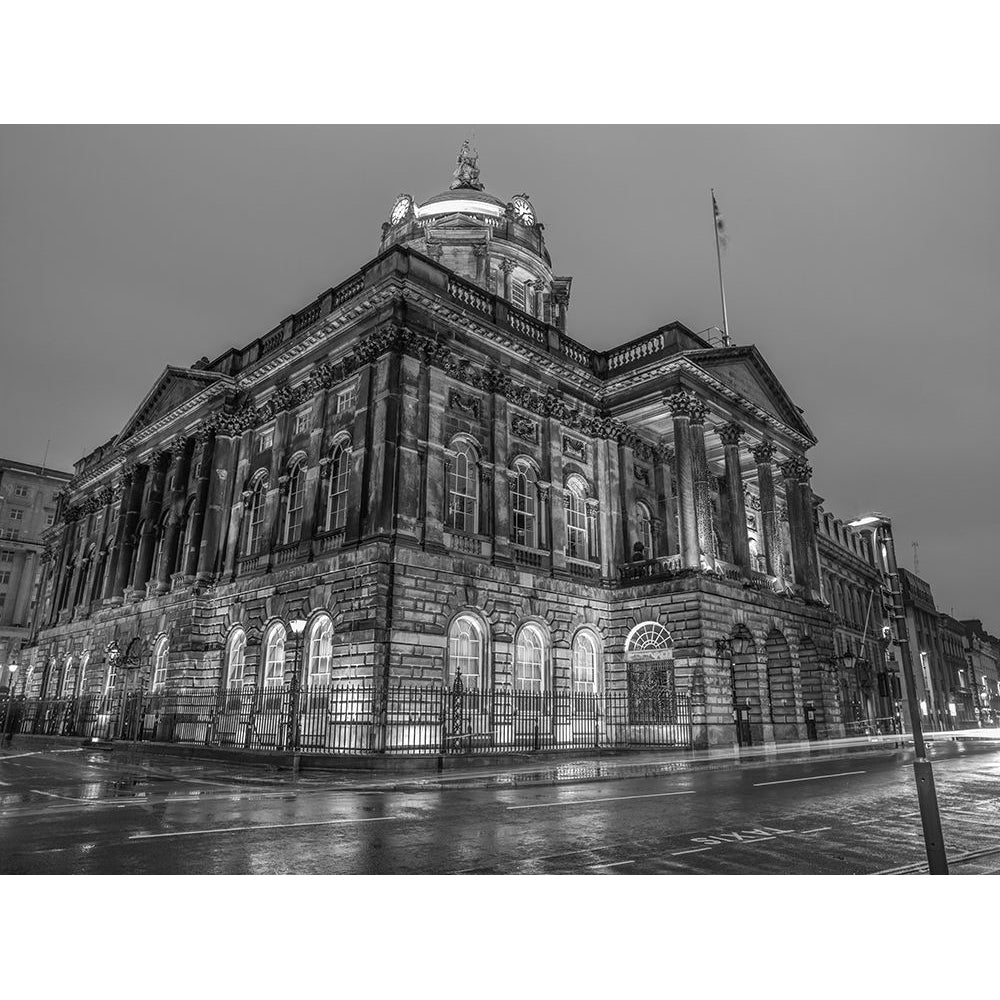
(529, 660)
(320, 652)
(274, 657)
(296, 501)
(649, 636)
(463, 490)
(465, 652)
(160, 655)
(236, 660)
(340, 471)
(585, 680)
(255, 524)
(524, 506)
(644, 527)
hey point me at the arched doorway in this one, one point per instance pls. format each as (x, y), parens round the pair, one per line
(652, 700)
(744, 679)
(784, 689)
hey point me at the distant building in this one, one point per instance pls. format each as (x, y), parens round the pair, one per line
(27, 508)
(852, 585)
(982, 651)
(963, 705)
(931, 677)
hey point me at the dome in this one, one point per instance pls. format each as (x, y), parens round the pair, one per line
(462, 199)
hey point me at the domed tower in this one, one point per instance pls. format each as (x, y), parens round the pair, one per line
(495, 244)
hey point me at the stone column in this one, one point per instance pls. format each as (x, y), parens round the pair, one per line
(682, 405)
(609, 527)
(507, 266)
(205, 438)
(501, 486)
(792, 471)
(357, 512)
(762, 455)
(736, 496)
(435, 480)
(408, 423)
(180, 452)
(702, 484)
(25, 577)
(626, 487)
(480, 255)
(135, 481)
(222, 453)
(551, 439)
(151, 519)
(667, 542)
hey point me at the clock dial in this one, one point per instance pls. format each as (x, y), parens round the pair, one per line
(399, 209)
(523, 211)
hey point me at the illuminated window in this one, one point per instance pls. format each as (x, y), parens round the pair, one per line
(644, 529)
(65, 677)
(274, 656)
(347, 399)
(585, 679)
(649, 636)
(160, 655)
(81, 679)
(49, 518)
(295, 503)
(255, 519)
(529, 660)
(301, 422)
(465, 652)
(577, 546)
(463, 490)
(236, 659)
(524, 521)
(265, 439)
(111, 679)
(320, 651)
(336, 502)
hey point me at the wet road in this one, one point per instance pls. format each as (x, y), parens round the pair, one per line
(77, 811)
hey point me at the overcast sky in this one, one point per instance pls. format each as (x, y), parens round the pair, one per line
(863, 262)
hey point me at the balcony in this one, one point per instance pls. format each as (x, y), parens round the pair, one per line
(328, 541)
(469, 545)
(660, 568)
(534, 558)
(583, 570)
(256, 563)
(292, 552)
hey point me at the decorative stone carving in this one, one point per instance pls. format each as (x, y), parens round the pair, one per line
(524, 428)
(687, 404)
(578, 449)
(507, 265)
(731, 433)
(641, 474)
(796, 468)
(764, 452)
(467, 404)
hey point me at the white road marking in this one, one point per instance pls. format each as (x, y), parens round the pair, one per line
(263, 826)
(612, 864)
(965, 818)
(813, 777)
(691, 850)
(817, 829)
(609, 798)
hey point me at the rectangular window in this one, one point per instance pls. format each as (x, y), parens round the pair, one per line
(49, 520)
(517, 294)
(3, 598)
(347, 399)
(5, 576)
(265, 439)
(17, 515)
(20, 490)
(301, 422)
(8, 533)
(6, 556)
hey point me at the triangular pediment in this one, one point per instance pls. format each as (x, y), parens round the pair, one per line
(458, 221)
(172, 389)
(746, 371)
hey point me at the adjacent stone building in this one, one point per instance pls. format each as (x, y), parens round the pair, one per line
(982, 652)
(424, 465)
(27, 509)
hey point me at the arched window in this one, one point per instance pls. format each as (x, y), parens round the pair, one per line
(577, 542)
(160, 654)
(236, 654)
(81, 675)
(295, 502)
(529, 660)
(111, 678)
(255, 516)
(585, 664)
(274, 656)
(187, 534)
(340, 473)
(463, 490)
(66, 678)
(98, 583)
(644, 529)
(320, 651)
(465, 652)
(524, 505)
(649, 636)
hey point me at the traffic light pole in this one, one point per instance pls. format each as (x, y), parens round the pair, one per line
(930, 817)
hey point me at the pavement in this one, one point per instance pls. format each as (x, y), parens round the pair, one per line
(841, 807)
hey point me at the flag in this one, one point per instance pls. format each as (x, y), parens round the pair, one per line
(720, 225)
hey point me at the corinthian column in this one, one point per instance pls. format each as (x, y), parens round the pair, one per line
(702, 486)
(181, 456)
(681, 406)
(507, 266)
(736, 497)
(798, 497)
(762, 455)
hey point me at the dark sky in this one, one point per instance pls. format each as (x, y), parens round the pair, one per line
(864, 263)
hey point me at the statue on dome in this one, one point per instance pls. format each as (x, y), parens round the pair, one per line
(467, 172)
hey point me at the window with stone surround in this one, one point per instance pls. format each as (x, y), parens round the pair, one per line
(236, 653)
(644, 529)
(6, 555)
(255, 517)
(586, 678)
(524, 505)
(577, 543)
(295, 502)
(274, 656)
(17, 515)
(265, 438)
(336, 501)
(320, 658)
(20, 490)
(530, 653)
(463, 490)
(160, 656)
(347, 399)
(81, 679)
(517, 296)
(5, 576)
(465, 653)
(301, 422)
(110, 679)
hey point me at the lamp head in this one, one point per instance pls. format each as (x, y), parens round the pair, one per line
(871, 520)
(12, 667)
(297, 625)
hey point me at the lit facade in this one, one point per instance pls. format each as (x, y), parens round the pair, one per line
(429, 470)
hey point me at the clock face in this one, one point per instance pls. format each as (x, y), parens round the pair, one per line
(523, 211)
(400, 209)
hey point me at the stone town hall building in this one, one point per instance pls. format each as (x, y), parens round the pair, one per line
(425, 466)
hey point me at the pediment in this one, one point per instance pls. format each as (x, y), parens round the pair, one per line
(457, 221)
(171, 390)
(744, 370)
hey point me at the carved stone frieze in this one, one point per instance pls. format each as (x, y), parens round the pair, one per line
(465, 404)
(571, 446)
(731, 433)
(524, 428)
(641, 474)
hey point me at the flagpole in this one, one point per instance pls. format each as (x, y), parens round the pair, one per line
(718, 257)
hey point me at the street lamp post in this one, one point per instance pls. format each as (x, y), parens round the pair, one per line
(297, 626)
(11, 673)
(930, 817)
